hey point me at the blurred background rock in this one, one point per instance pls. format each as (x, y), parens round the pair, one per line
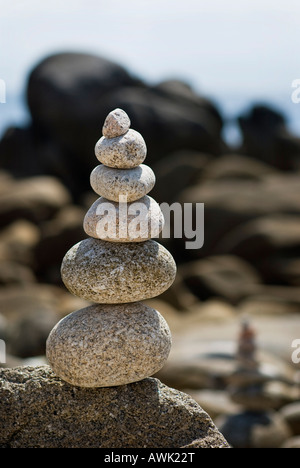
(249, 264)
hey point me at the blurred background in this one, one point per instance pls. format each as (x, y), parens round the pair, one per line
(209, 85)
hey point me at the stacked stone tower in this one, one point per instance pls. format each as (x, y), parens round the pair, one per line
(117, 340)
(248, 382)
(246, 349)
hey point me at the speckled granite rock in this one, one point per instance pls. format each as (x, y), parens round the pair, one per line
(38, 410)
(111, 273)
(135, 221)
(116, 123)
(125, 151)
(112, 183)
(107, 345)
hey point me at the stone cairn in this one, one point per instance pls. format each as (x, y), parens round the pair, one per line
(118, 340)
(246, 349)
(249, 379)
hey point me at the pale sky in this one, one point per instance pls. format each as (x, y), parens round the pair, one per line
(227, 49)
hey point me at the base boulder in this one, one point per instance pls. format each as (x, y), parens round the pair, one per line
(38, 410)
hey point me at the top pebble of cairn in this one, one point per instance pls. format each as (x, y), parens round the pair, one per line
(117, 123)
(120, 147)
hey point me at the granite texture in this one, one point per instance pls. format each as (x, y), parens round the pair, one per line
(39, 410)
(123, 152)
(130, 183)
(108, 345)
(116, 123)
(111, 273)
(135, 221)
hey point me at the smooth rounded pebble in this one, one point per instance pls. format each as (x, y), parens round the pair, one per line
(136, 221)
(112, 273)
(109, 345)
(112, 183)
(116, 123)
(123, 152)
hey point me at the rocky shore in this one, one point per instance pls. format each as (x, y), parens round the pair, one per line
(249, 265)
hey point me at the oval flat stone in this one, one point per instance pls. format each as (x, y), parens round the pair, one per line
(136, 221)
(116, 123)
(124, 152)
(112, 183)
(111, 273)
(109, 345)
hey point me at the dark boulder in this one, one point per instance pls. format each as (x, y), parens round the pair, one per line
(34, 199)
(230, 204)
(266, 137)
(69, 96)
(225, 276)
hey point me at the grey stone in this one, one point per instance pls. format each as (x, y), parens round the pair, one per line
(252, 429)
(235, 167)
(215, 401)
(27, 336)
(34, 199)
(18, 241)
(292, 442)
(291, 414)
(39, 410)
(265, 136)
(111, 273)
(204, 353)
(15, 273)
(177, 171)
(259, 397)
(131, 183)
(57, 236)
(30, 312)
(123, 152)
(135, 221)
(223, 276)
(117, 123)
(232, 207)
(107, 345)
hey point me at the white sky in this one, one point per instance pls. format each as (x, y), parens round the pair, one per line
(229, 48)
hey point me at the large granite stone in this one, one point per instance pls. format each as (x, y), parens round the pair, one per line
(112, 273)
(135, 221)
(38, 410)
(125, 151)
(106, 345)
(132, 183)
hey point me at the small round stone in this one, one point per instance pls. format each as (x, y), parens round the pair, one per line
(115, 273)
(109, 345)
(136, 221)
(116, 123)
(131, 183)
(123, 152)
